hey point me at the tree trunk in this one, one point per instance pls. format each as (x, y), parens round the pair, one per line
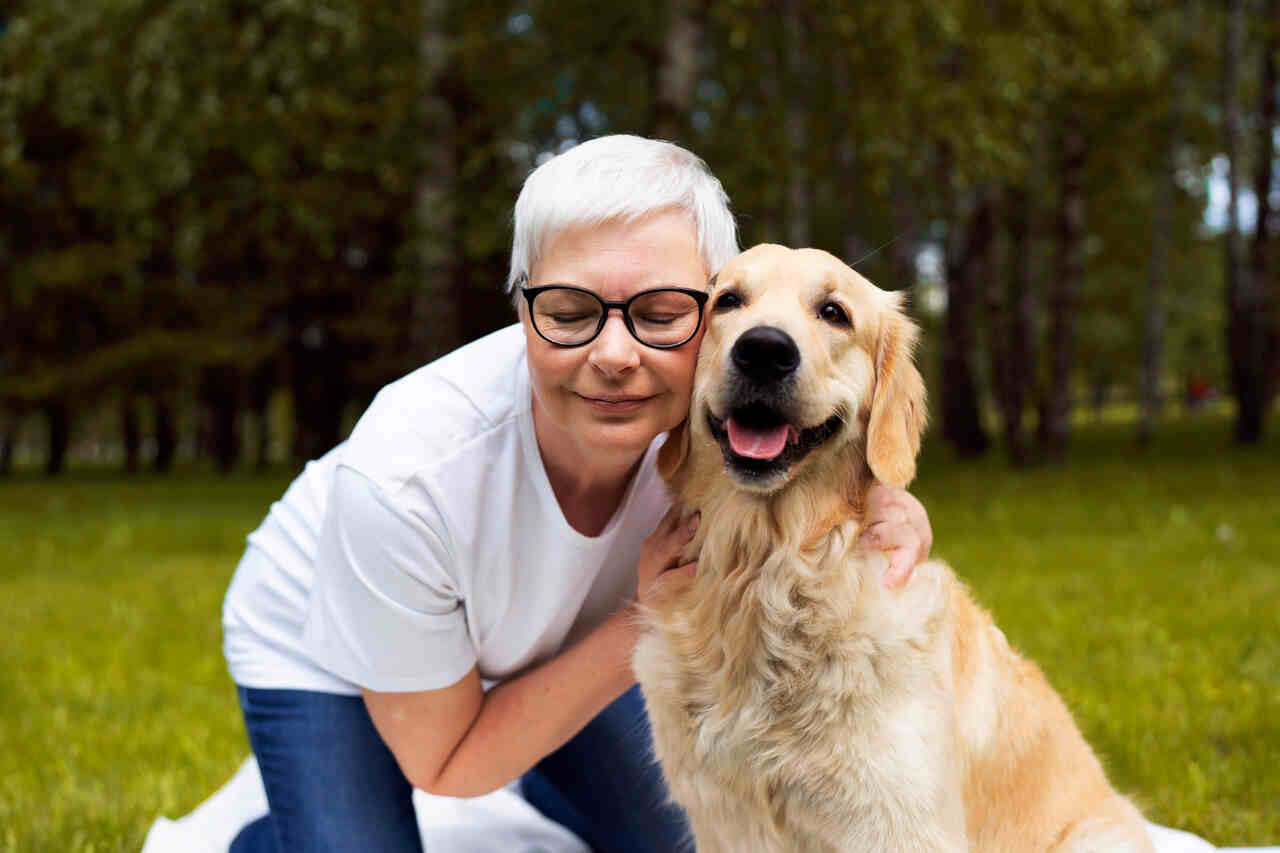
(905, 231)
(1152, 366)
(59, 418)
(1260, 256)
(435, 312)
(131, 432)
(166, 434)
(318, 383)
(1013, 340)
(261, 385)
(853, 248)
(8, 439)
(677, 72)
(1244, 305)
(961, 409)
(1064, 291)
(221, 394)
(847, 184)
(797, 62)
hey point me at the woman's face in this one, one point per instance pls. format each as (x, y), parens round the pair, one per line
(614, 395)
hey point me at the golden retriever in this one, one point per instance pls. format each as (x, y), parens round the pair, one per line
(797, 704)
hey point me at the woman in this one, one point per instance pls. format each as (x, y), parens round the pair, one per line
(446, 599)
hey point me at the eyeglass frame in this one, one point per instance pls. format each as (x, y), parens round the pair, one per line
(699, 296)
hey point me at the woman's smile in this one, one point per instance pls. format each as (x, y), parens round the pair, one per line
(616, 403)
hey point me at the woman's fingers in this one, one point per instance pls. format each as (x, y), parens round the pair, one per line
(663, 549)
(671, 582)
(901, 544)
(678, 538)
(898, 525)
(902, 562)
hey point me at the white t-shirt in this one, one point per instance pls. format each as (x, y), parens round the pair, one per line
(430, 542)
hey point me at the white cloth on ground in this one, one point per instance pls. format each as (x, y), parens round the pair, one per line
(501, 822)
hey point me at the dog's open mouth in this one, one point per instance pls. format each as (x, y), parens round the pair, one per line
(757, 440)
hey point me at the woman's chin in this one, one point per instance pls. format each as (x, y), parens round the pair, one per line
(619, 437)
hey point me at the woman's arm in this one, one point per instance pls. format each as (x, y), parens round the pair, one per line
(460, 742)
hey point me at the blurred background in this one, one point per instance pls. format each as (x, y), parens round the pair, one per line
(224, 224)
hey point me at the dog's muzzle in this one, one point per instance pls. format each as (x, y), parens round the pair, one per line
(758, 434)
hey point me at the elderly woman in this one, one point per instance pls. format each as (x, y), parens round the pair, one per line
(446, 599)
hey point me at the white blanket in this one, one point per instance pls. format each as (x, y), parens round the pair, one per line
(501, 822)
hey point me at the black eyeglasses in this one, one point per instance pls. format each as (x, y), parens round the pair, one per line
(662, 318)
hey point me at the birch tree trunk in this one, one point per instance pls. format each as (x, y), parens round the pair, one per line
(1149, 400)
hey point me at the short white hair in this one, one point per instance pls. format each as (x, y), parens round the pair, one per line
(619, 178)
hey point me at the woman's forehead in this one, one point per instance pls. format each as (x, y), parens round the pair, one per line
(624, 256)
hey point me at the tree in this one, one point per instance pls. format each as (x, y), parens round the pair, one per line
(1245, 295)
(1153, 327)
(1262, 263)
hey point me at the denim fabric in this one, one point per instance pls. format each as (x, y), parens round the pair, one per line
(333, 786)
(605, 785)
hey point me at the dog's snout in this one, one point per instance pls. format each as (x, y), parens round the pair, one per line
(765, 354)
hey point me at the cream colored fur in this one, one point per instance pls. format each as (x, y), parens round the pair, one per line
(798, 705)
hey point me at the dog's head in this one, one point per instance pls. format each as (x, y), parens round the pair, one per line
(805, 366)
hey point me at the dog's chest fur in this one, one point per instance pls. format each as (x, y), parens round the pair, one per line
(791, 684)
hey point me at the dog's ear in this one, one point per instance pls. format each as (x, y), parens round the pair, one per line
(674, 451)
(898, 414)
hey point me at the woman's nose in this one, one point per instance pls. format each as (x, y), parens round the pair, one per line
(615, 351)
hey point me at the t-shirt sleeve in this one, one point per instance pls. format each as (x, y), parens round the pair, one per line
(385, 612)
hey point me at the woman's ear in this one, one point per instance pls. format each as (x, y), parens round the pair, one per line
(898, 414)
(674, 451)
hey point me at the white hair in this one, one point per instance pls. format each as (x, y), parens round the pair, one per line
(619, 178)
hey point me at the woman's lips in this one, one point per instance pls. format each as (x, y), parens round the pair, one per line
(615, 404)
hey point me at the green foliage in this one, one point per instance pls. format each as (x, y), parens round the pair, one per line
(325, 188)
(1144, 587)
(200, 169)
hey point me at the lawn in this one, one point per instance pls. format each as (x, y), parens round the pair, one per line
(1147, 585)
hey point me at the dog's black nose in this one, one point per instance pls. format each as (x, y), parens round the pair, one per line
(765, 354)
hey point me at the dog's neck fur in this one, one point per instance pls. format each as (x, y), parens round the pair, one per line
(770, 565)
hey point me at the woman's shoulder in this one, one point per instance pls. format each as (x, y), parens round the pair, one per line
(475, 392)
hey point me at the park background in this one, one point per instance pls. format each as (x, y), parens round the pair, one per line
(225, 224)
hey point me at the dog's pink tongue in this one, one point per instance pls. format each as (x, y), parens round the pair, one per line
(757, 442)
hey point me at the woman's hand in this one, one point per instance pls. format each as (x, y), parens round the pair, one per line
(898, 525)
(659, 574)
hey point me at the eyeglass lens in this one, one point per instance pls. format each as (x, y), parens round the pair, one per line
(659, 318)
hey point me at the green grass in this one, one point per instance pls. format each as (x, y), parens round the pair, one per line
(1146, 585)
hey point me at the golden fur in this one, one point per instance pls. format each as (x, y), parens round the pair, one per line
(798, 705)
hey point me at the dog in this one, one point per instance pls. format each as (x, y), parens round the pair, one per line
(796, 703)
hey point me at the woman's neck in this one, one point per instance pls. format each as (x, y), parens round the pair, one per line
(588, 486)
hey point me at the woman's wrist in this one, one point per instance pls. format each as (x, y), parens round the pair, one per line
(623, 629)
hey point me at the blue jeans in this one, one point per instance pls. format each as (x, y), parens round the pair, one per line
(332, 785)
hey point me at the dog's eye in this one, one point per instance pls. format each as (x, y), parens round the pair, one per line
(834, 314)
(727, 300)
